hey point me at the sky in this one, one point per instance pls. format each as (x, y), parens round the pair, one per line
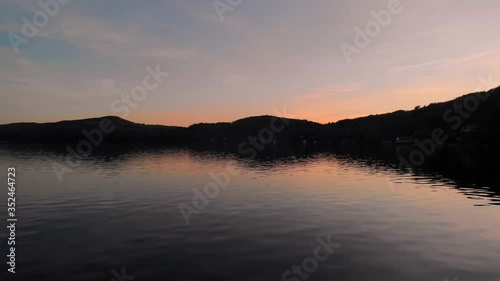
(229, 59)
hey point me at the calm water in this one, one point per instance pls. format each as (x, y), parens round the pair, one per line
(121, 210)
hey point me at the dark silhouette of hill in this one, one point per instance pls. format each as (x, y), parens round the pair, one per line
(282, 129)
(421, 121)
(484, 122)
(71, 131)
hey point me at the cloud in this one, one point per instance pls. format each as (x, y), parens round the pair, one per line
(464, 59)
(111, 37)
(418, 66)
(208, 15)
(119, 39)
(170, 53)
(443, 63)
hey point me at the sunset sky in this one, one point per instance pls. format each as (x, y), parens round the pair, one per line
(262, 57)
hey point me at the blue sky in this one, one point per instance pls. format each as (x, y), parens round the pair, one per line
(263, 55)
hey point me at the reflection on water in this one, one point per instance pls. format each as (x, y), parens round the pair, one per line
(120, 209)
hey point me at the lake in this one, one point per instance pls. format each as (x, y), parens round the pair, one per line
(181, 214)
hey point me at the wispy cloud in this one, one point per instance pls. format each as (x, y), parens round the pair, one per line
(465, 59)
(113, 38)
(443, 63)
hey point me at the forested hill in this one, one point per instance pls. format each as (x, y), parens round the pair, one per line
(477, 113)
(113, 129)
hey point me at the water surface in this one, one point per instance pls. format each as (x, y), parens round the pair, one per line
(118, 210)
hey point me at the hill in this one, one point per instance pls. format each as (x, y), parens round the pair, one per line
(473, 112)
(72, 131)
(451, 116)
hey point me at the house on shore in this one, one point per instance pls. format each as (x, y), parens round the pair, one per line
(405, 140)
